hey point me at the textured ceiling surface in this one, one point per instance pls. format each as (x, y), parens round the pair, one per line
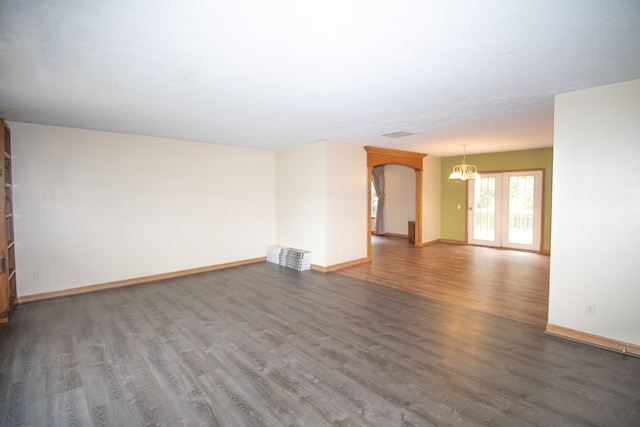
(279, 73)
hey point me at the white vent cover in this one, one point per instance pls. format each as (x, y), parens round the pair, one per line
(398, 134)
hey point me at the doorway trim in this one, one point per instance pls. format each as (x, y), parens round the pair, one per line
(377, 156)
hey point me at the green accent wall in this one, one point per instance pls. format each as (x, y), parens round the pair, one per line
(454, 192)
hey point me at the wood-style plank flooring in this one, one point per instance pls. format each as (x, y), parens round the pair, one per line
(264, 345)
(506, 283)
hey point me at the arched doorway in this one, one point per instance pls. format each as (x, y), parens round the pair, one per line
(384, 156)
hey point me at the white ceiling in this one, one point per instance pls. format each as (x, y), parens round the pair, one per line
(284, 72)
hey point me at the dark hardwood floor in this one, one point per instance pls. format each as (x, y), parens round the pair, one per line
(264, 345)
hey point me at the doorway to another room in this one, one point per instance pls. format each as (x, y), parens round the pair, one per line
(383, 156)
(392, 218)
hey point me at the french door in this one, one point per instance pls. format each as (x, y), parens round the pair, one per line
(505, 210)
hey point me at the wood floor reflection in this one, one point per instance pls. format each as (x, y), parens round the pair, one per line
(506, 283)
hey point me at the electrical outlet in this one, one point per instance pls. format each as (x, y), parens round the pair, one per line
(590, 309)
(36, 275)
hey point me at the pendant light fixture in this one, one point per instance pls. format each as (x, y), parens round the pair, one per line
(464, 171)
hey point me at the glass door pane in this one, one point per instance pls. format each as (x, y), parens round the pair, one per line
(521, 199)
(484, 210)
(523, 227)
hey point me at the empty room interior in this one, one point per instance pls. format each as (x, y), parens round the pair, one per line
(320, 213)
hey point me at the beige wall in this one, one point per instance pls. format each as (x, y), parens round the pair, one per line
(97, 207)
(321, 201)
(596, 212)
(431, 199)
(400, 193)
(347, 211)
(301, 199)
(94, 207)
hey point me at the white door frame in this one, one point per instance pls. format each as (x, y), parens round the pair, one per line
(501, 218)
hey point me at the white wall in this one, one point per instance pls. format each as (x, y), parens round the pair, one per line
(596, 212)
(431, 199)
(94, 207)
(400, 193)
(347, 211)
(301, 199)
(321, 201)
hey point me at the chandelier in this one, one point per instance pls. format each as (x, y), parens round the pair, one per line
(464, 171)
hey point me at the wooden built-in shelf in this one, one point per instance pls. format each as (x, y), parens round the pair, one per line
(7, 243)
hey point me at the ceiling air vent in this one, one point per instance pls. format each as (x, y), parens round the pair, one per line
(398, 134)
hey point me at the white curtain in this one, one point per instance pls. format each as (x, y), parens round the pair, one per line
(378, 184)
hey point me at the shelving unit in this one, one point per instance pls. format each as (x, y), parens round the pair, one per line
(7, 243)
